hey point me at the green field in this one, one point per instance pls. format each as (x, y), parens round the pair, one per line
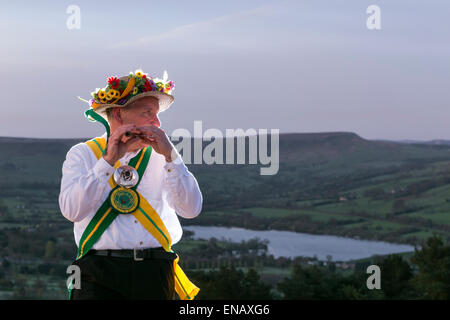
(328, 183)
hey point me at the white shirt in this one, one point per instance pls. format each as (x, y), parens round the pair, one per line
(168, 186)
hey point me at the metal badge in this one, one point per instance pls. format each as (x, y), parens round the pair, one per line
(126, 176)
(124, 200)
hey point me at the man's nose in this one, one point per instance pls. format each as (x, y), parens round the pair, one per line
(155, 122)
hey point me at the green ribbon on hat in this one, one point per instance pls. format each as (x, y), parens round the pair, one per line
(93, 116)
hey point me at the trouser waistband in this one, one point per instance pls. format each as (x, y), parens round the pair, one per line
(137, 254)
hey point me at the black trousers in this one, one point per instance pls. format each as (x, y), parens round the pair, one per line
(111, 278)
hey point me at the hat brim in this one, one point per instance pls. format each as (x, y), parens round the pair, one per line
(165, 100)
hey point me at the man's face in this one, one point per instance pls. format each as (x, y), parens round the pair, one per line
(142, 112)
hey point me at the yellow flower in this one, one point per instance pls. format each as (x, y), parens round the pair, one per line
(135, 90)
(114, 93)
(101, 94)
(139, 73)
(109, 96)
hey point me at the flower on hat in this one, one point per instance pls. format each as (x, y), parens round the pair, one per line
(114, 82)
(122, 101)
(139, 73)
(151, 85)
(116, 87)
(148, 87)
(101, 94)
(94, 95)
(114, 93)
(170, 85)
(104, 100)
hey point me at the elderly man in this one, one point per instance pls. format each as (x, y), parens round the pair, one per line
(123, 192)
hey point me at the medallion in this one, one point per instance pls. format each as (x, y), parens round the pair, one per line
(126, 176)
(124, 200)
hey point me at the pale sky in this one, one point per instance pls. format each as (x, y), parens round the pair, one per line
(296, 66)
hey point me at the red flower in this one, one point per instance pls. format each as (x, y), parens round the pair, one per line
(114, 82)
(148, 87)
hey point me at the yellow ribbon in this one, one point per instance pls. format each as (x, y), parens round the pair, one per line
(152, 222)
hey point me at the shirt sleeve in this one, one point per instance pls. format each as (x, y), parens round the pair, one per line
(82, 188)
(183, 192)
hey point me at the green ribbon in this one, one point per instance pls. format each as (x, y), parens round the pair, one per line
(105, 206)
(143, 165)
(93, 116)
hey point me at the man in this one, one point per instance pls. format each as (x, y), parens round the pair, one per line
(123, 192)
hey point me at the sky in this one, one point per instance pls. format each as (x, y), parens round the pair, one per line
(297, 66)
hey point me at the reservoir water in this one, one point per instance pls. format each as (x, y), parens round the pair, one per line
(293, 244)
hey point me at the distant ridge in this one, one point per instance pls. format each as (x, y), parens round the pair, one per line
(294, 136)
(21, 139)
(431, 142)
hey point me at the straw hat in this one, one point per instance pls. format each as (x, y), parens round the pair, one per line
(120, 92)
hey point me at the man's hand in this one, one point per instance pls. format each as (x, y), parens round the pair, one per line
(157, 139)
(119, 144)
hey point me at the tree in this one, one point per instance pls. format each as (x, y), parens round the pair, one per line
(433, 262)
(306, 283)
(396, 275)
(322, 284)
(231, 284)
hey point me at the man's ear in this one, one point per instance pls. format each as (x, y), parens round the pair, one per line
(117, 115)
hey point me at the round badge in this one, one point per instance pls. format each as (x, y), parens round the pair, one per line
(126, 176)
(124, 200)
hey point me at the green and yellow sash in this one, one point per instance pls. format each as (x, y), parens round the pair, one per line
(144, 213)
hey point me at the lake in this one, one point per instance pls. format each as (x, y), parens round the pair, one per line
(293, 244)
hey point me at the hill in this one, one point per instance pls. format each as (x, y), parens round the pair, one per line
(328, 183)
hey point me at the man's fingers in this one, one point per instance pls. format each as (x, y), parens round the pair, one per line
(148, 137)
(131, 141)
(119, 134)
(122, 130)
(150, 129)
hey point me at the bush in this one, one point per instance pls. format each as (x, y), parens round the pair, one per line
(231, 284)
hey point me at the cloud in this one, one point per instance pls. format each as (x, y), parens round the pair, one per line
(231, 31)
